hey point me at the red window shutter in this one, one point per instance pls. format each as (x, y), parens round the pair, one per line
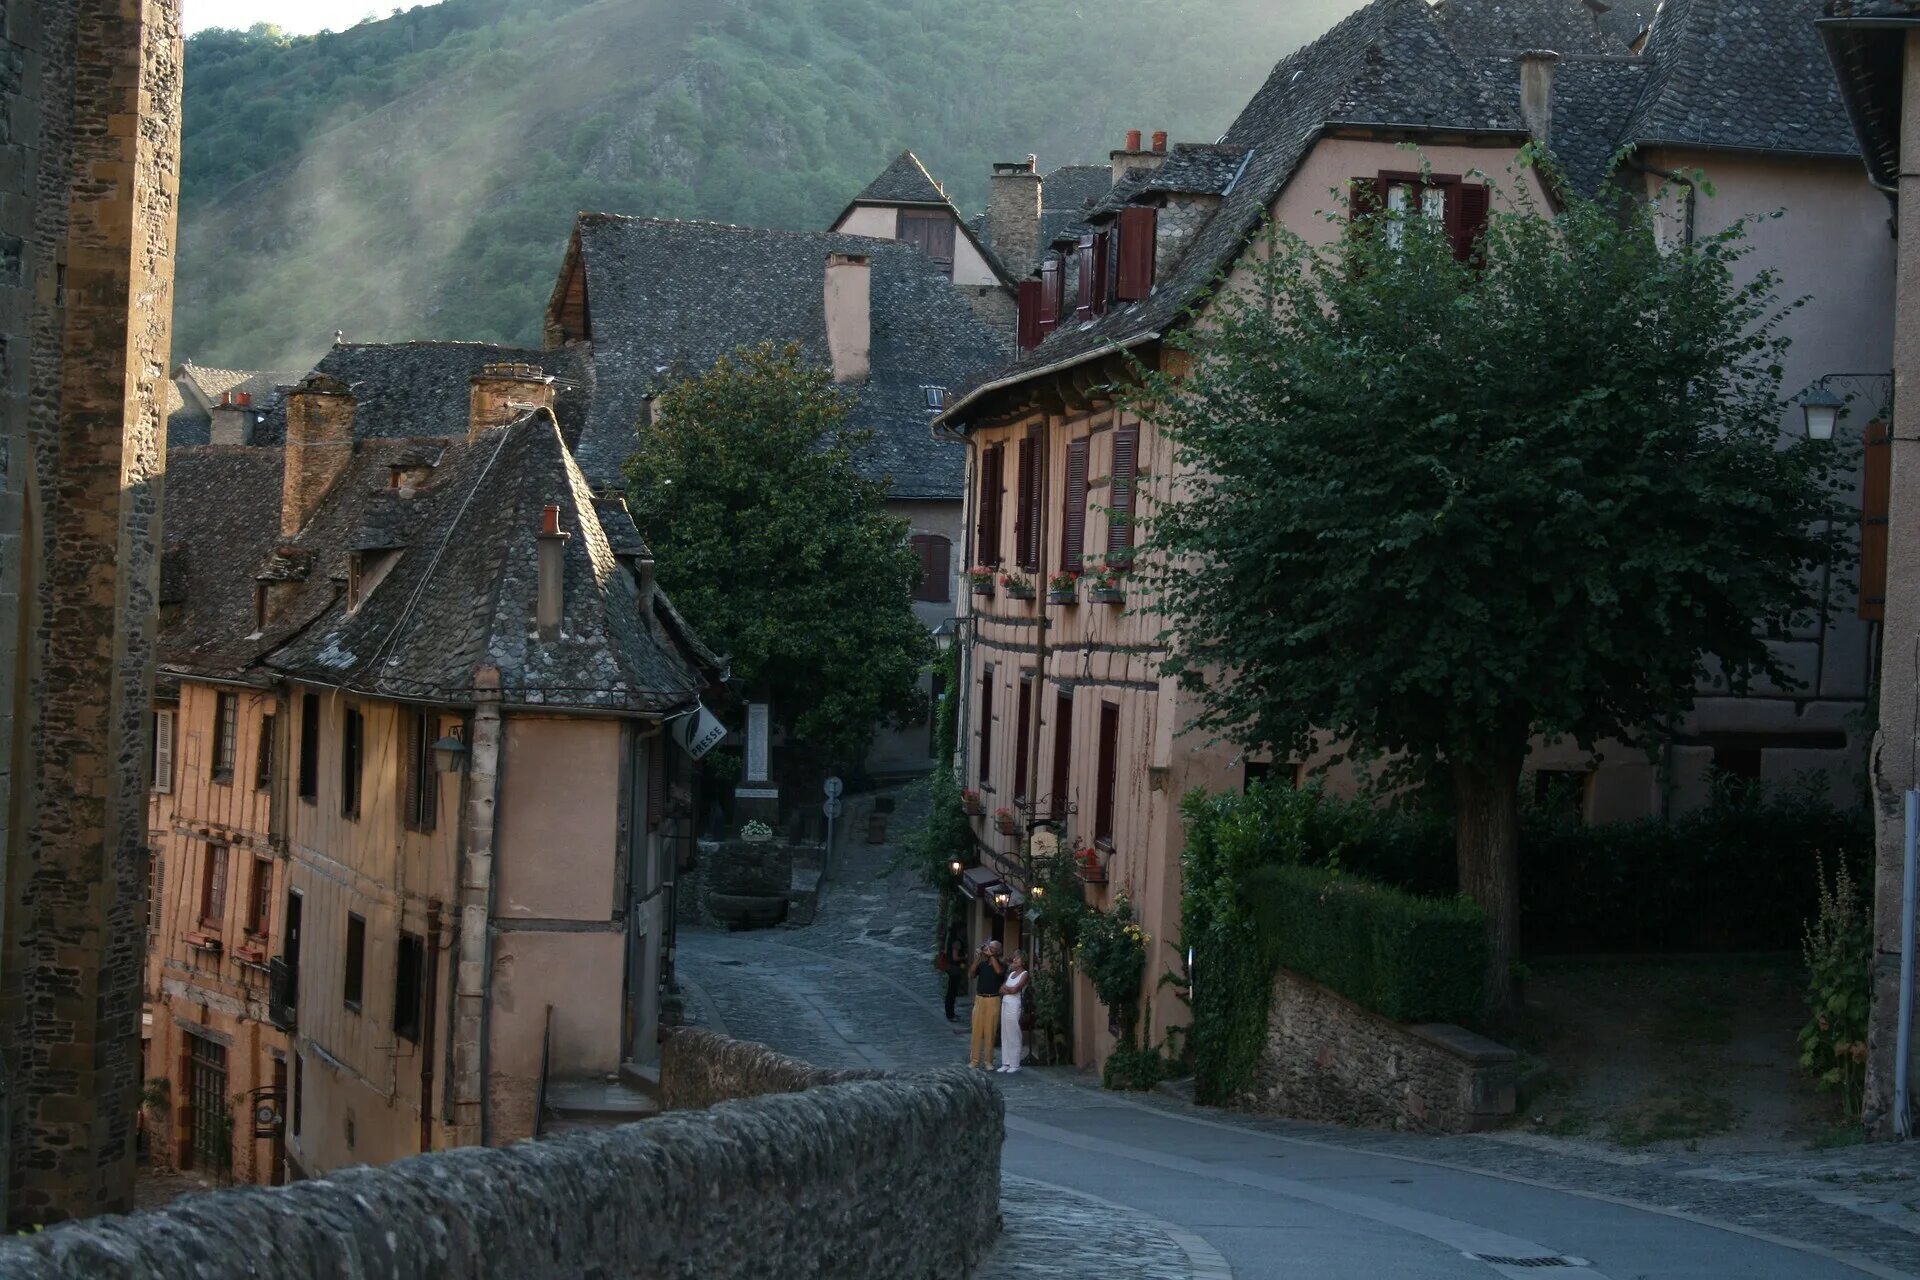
(1073, 521)
(1364, 196)
(1062, 751)
(1022, 733)
(1467, 206)
(987, 523)
(1025, 528)
(1083, 307)
(1052, 293)
(1102, 271)
(1120, 493)
(1139, 228)
(1030, 330)
(1874, 488)
(1108, 780)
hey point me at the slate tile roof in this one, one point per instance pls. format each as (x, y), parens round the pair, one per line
(421, 389)
(1196, 168)
(188, 422)
(904, 181)
(667, 296)
(1873, 8)
(222, 519)
(1716, 74)
(1866, 43)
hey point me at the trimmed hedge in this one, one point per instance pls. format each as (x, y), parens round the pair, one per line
(1407, 958)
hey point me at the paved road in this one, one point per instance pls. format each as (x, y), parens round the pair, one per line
(1282, 1199)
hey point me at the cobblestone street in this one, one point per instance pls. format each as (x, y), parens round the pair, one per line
(1150, 1186)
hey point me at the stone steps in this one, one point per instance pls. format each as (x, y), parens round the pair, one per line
(599, 1102)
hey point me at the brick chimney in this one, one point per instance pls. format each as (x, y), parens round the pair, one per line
(319, 446)
(1013, 212)
(849, 303)
(232, 418)
(503, 392)
(1536, 93)
(1134, 156)
(550, 598)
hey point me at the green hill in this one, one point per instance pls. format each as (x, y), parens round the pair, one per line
(417, 176)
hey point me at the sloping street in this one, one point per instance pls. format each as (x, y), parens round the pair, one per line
(1179, 1190)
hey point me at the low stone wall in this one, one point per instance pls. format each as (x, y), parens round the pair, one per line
(1329, 1059)
(882, 1177)
(699, 1069)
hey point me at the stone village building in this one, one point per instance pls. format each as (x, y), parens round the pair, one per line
(357, 951)
(1066, 719)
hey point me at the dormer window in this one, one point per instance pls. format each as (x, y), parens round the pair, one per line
(936, 398)
(930, 231)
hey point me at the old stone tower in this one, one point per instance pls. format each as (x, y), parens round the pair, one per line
(89, 182)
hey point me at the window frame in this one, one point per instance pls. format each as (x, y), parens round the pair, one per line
(309, 776)
(263, 754)
(353, 747)
(260, 898)
(409, 986)
(226, 735)
(215, 866)
(1106, 783)
(353, 979)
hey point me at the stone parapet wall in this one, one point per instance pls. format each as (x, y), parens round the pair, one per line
(882, 1178)
(699, 1069)
(1329, 1059)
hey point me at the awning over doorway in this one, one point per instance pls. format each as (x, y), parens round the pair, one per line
(976, 882)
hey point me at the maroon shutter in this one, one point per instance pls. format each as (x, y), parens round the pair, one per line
(1052, 293)
(1139, 227)
(1062, 751)
(1364, 196)
(1083, 307)
(1109, 773)
(1120, 494)
(1874, 490)
(1022, 733)
(987, 523)
(984, 714)
(997, 476)
(1073, 522)
(1026, 529)
(1102, 271)
(937, 570)
(1030, 331)
(1466, 218)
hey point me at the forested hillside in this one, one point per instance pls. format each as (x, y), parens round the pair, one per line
(417, 176)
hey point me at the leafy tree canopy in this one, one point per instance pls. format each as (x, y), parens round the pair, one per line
(1453, 505)
(778, 551)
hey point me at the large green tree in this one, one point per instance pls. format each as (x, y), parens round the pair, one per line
(779, 551)
(1452, 505)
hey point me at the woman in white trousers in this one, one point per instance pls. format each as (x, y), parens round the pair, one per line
(1011, 993)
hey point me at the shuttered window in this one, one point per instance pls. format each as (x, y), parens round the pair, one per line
(1467, 219)
(1053, 293)
(993, 485)
(1461, 207)
(1031, 331)
(226, 729)
(421, 808)
(1022, 735)
(354, 979)
(309, 746)
(163, 749)
(1026, 515)
(1062, 752)
(1073, 513)
(213, 886)
(1108, 779)
(263, 755)
(260, 898)
(930, 231)
(1102, 270)
(409, 984)
(984, 714)
(1139, 227)
(1120, 495)
(1083, 305)
(353, 741)
(935, 555)
(1874, 490)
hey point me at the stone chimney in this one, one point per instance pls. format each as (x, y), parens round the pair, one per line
(232, 418)
(504, 392)
(319, 447)
(849, 301)
(550, 599)
(1536, 93)
(1135, 156)
(1013, 212)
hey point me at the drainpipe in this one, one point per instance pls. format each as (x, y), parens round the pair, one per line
(1903, 1042)
(475, 940)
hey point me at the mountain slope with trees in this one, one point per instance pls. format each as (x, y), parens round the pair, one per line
(417, 176)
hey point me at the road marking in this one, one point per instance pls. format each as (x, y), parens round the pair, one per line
(1471, 1240)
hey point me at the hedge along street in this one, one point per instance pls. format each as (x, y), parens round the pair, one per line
(855, 989)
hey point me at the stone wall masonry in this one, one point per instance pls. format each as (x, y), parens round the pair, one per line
(699, 1069)
(890, 1177)
(1329, 1059)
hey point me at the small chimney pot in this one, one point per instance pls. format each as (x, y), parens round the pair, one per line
(1133, 139)
(1160, 141)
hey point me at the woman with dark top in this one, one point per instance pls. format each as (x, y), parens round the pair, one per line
(988, 973)
(954, 956)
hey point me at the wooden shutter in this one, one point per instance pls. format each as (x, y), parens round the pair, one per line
(986, 526)
(932, 551)
(1052, 293)
(984, 714)
(1022, 738)
(163, 751)
(1874, 490)
(1062, 751)
(1073, 522)
(1083, 307)
(1031, 293)
(1105, 784)
(1364, 196)
(1102, 270)
(1467, 207)
(1139, 229)
(411, 810)
(1120, 494)
(1026, 516)
(930, 231)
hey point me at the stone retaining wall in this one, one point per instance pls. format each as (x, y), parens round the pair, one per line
(699, 1069)
(882, 1177)
(1329, 1059)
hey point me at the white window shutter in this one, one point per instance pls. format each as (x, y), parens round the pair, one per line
(163, 751)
